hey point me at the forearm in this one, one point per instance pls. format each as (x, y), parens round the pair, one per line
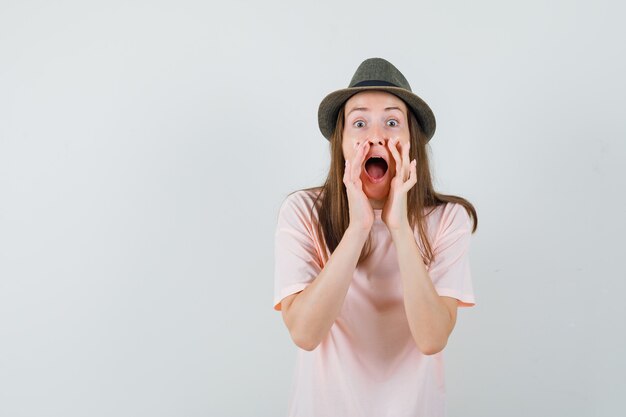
(315, 309)
(428, 317)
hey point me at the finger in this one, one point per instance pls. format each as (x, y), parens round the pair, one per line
(396, 156)
(412, 179)
(405, 161)
(357, 161)
(348, 177)
(350, 165)
(403, 168)
(413, 175)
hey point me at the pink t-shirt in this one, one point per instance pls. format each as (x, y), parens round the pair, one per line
(369, 364)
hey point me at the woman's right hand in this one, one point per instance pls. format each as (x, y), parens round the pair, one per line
(361, 211)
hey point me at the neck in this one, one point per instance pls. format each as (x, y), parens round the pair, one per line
(377, 204)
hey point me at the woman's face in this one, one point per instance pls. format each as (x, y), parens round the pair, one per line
(375, 116)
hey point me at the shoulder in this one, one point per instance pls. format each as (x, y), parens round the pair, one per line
(298, 207)
(304, 196)
(300, 200)
(449, 218)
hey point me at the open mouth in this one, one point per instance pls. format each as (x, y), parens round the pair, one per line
(376, 168)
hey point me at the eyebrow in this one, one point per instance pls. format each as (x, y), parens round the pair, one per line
(366, 109)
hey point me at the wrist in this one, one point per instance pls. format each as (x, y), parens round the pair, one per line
(358, 232)
(401, 231)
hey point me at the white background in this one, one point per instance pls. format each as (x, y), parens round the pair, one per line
(145, 148)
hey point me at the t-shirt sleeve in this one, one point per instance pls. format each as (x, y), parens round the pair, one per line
(450, 271)
(296, 258)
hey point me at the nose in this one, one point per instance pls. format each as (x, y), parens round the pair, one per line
(377, 136)
(378, 141)
(375, 141)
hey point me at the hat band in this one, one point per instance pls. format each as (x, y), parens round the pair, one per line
(370, 83)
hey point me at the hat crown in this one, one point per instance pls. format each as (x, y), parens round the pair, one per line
(378, 70)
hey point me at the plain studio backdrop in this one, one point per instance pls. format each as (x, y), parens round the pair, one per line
(145, 148)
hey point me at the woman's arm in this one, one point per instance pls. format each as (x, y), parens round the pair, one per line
(310, 314)
(431, 317)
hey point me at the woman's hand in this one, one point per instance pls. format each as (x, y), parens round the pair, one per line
(361, 211)
(394, 212)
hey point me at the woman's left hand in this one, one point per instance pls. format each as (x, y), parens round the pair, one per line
(394, 212)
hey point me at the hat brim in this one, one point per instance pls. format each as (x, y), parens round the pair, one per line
(331, 104)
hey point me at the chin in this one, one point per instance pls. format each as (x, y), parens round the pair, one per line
(376, 191)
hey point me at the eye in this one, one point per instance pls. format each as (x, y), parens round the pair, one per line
(359, 123)
(392, 123)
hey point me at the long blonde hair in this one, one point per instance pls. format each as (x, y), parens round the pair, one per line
(332, 200)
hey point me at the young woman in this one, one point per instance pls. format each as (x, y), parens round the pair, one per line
(371, 266)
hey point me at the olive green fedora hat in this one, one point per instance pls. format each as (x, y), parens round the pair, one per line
(375, 74)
